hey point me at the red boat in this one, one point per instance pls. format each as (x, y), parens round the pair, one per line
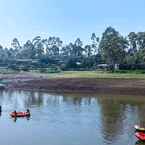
(20, 114)
(140, 136)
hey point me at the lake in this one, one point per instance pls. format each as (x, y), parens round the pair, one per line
(70, 119)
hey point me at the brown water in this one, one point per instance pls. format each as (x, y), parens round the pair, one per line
(70, 119)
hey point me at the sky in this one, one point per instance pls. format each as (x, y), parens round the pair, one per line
(68, 19)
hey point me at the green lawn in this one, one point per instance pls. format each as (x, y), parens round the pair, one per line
(80, 74)
(94, 74)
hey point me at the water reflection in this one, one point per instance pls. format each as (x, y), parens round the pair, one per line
(119, 114)
(15, 119)
(112, 116)
(77, 118)
(140, 143)
(24, 100)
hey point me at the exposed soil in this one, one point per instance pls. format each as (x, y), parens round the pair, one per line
(76, 85)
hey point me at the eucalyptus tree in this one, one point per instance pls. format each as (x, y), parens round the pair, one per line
(141, 40)
(45, 46)
(1, 53)
(5, 55)
(16, 44)
(77, 48)
(28, 50)
(95, 43)
(38, 46)
(11, 53)
(54, 46)
(141, 46)
(88, 50)
(112, 47)
(66, 51)
(36, 40)
(132, 39)
(132, 53)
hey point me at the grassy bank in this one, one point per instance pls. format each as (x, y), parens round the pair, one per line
(124, 74)
(94, 74)
(78, 81)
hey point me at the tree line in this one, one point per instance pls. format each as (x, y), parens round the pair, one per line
(111, 48)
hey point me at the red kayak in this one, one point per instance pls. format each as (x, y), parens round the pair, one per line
(20, 114)
(140, 136)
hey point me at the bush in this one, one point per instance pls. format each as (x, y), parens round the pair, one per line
(130, 71)
(50, 70)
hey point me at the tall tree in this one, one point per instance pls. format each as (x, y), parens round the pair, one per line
(112, 46)
(11, 53)
(36, 40)
(38, 46)
(141, 46)
(1, 53)
(67, 50)
(77, 48)
(16, 44)
(88, 50)
(95, 42)
(141, 40)
(132, 42)
(131, 56)
(28, 50)
(54, 46)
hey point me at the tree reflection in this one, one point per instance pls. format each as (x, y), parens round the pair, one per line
(24, 99)
(120, 113)
(35, 98)
(77, 99)
(15, 119)
(140, 113)
(21, 99)
(112, 118)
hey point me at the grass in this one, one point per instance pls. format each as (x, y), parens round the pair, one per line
(7, 71)
(124, 74)
(95, 74)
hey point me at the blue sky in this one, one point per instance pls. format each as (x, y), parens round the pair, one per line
(68, 19)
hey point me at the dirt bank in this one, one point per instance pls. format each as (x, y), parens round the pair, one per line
(88, 85)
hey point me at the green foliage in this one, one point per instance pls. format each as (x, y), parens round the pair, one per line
(112, 46)
(50, 70)
(130, 71)
(111, 49)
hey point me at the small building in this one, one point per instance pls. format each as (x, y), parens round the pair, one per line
(102, 66)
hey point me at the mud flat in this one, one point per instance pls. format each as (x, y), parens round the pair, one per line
(82, 85)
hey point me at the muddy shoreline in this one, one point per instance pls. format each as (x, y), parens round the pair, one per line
(81, 85)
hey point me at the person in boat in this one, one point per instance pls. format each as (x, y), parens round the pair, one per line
(15, 113)
(28, 111)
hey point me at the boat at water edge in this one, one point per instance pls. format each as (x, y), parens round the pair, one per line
(139, 129)
(20, 114)
(140, 136)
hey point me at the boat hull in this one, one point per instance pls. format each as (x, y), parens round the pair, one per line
(140, 136)
(20, 114)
